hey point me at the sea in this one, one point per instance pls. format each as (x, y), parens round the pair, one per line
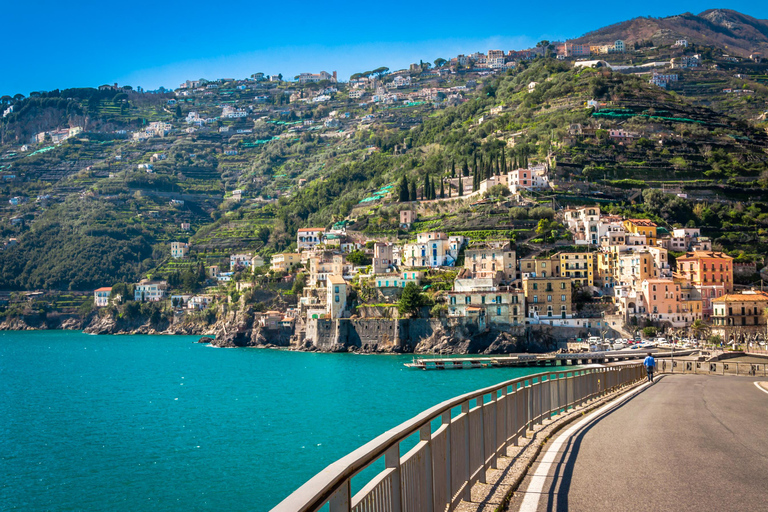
(161, 423)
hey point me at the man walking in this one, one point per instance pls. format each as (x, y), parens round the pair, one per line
(650, 365)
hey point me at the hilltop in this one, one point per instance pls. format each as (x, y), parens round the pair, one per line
(730, 30)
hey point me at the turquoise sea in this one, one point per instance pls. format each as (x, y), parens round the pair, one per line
(129, 423)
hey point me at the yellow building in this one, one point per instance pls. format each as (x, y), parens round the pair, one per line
(284, 262)
(579, 266)
(642, 227)
(540, 267)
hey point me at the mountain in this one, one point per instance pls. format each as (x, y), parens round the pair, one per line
(733, 31)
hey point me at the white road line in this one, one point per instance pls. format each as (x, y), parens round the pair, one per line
(761, 388)
(538, 479)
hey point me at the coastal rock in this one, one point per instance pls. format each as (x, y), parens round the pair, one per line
(205, 339)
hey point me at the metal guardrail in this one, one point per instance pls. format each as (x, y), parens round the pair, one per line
(711, 368)
(441, 469)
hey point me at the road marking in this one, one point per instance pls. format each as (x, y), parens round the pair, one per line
(761, 388)
(533, 493)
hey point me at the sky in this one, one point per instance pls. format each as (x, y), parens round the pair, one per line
(52, 44)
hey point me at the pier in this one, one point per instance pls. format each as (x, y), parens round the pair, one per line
(534, 360)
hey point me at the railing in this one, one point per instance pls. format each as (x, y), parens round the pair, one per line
(441, 469)
(711, 368)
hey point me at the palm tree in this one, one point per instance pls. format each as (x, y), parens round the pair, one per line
(700, 329)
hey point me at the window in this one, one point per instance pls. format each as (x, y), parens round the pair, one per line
(535, 299)
(337, 298)
(549, 298)
(498, 311)
(336, 290)
(467, 300)
(562, 298)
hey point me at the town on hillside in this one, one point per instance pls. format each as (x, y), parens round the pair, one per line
(616, 277)
(602, 186)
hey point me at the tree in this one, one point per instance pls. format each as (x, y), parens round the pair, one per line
(699, 329)
(440, 62)
(413, 191)
(461, 187)
(404, 195)
(411, 299)
(453, 169)
(465, 169)
(425, 192)
(299, 283)
(442, 190)
(178, 111)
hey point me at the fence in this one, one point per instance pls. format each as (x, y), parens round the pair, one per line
(441, 469)
(711, 368)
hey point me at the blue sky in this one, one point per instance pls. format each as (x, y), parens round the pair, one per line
(53, 44)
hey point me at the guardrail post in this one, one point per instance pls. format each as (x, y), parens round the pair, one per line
(446, 422)
(425, 436)
(480, 404)
(392, 460)
(340, 500)
(467, 495)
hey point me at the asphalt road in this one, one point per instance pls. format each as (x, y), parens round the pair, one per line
(686, 443)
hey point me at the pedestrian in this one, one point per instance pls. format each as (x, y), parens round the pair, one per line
(650, 366)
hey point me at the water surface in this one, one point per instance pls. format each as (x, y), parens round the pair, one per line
(127, 423)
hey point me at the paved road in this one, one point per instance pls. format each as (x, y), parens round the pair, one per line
(686, 443)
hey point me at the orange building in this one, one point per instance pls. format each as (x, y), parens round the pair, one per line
(708, 271)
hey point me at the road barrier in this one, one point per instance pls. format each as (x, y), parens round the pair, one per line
(711, 368)
(441, 469)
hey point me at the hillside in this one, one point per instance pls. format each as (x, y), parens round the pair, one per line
(241, 165)
(739, 33)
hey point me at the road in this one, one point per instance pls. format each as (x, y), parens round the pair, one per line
(685, 443)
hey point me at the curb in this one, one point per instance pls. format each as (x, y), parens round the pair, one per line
(532, 460)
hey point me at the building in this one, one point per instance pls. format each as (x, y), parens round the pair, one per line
(548, 297)
(150, 291)
(432, 249)
(308, 238)
(407, 218)
(487, 258)
(383, 257)
(710, 272)
(284, 262)
(579, 266)
(336, 296)
(179, 250)
(583, 223)
(240, 261)
(643, 227)
(739, 316)
(503, 306)
(664, 301)
(398, 280)
(101, 297)
(316, 77)
(540, 267)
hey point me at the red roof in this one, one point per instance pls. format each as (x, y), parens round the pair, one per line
(311, 229)
(105, 289)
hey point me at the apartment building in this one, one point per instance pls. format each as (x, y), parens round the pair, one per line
(579, 266)
(737, 316)
(548, 297)
(485, 259)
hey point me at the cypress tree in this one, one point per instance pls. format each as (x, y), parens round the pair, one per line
(461, 187)
(453, 169)
(498, 168)
(504, 160)
(489, 169)
(404, 193)
(425, 192)
(432, 193)
(450, 187)
(413, 191)
(474, 166)
(465, 169)
(442, 190)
